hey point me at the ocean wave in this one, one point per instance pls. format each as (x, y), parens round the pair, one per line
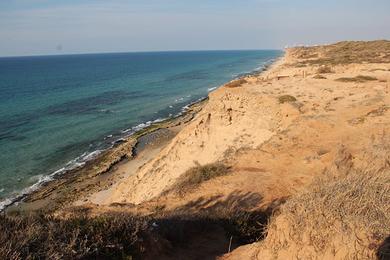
(91, 155)
(43, 179)
(211, 89)
(260, 68)
(20, 195)
(130, 131)
(5, 203)
(179, 99)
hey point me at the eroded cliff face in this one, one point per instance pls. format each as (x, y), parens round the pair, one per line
(233, 119)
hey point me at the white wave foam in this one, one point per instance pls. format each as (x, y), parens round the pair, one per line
(211, 89)
(11, 200)
(91, 155)
(5, 203)
(158, 120)
(42, 179)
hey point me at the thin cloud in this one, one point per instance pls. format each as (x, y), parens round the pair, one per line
(38, 26)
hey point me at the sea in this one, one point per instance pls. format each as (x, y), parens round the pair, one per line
(57, 112)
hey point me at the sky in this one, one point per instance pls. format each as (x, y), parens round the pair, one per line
(46, 27)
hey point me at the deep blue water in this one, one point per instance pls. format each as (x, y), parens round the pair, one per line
(54, 109)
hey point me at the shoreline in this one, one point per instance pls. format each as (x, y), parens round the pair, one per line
(124, 149)
(87, 160)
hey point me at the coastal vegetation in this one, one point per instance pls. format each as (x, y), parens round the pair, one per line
(359, 79)
(42, 236)
(199, 174)
(346, 52)
(236, 83)
(352, 208)
(286, 99)
(123, 235)
(319, 76)
(324, 69)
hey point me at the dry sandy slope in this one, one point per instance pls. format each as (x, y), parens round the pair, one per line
(275, 149)
(232, 119)
(344, 127)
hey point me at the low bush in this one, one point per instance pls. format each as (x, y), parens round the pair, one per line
(286, 98)
(324, 69)
(349, 212)
(359, 79)
(123, 236)
(236, 83)
(46, 237)
(318, 76)
(199, 174)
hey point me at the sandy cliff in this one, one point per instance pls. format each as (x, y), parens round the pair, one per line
(315, 122)
(292, 163)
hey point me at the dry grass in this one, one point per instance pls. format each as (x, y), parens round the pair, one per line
(199, 174)
(324, 69)
(45, 237)
(343, 53)
(353, 208)
(318, 76)
(359, 79)
(123, 236)
(286, 99)
(236, 83)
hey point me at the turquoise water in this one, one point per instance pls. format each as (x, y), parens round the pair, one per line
(58, 111)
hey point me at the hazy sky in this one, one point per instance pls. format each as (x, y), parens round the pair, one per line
(31, 27)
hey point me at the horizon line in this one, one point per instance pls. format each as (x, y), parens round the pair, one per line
(124, 52)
